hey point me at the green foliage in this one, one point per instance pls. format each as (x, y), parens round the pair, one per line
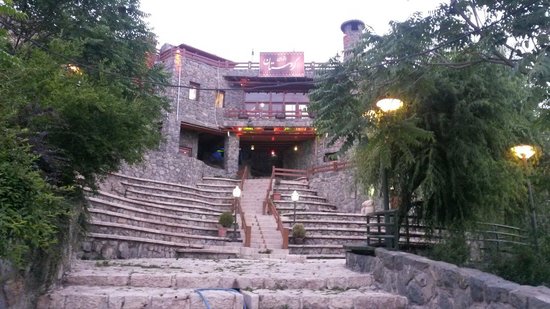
(226, 219)
(30, 211)
(453, 249)
(465, 106)
(524, 265)
(298, 231)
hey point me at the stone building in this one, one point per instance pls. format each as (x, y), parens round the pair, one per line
(226, 115)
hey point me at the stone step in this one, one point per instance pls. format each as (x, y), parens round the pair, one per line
(93, 297)
(306, 298)
(220, 187)
(356, 224)
(168, 185)
(154, 197)
(191, 194)
(168, 214)
(221, 180)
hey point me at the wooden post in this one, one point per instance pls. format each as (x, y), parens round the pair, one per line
(284, 234)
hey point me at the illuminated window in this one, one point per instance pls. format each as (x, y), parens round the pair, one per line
(194, 91)
(220, 98)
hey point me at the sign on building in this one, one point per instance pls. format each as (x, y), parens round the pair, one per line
(282, 64)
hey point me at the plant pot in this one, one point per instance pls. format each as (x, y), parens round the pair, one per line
(298, 240)
(276, 196)
(222, 231)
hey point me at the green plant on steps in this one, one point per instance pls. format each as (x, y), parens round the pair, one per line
(226, 219)
(298, 231)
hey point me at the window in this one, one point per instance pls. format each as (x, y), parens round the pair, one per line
(330, 156)
(220, 98)
(194, 91)
(290, 110)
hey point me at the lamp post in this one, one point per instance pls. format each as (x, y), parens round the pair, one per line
(236, 195)
(294, 197)
(387, 105)
(524, 152)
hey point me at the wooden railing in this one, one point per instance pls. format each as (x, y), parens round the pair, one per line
(382, 231)
(280, 227)
(247, 228)
(330, 167)
(256, 114)
(499, 237)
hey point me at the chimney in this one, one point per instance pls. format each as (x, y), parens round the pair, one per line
(353, 30)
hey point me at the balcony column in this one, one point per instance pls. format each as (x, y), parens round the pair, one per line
(231, 159)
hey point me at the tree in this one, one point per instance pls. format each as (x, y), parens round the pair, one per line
(469, 95)
(78, 95)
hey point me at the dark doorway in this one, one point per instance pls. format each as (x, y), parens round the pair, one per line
(211, 149)
(260, 160)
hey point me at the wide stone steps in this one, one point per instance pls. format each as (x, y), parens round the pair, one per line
(166, 198)
(168, 185)
(304, 198)
(103, 227)
(115, 203)
(170, 283)
(221, 181)
(288, 220)
(324, 216)
(318, 250)
(190, 194)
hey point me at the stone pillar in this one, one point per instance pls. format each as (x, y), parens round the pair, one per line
(231, 155)
(353, 30)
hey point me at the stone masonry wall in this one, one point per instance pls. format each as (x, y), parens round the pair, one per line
(340, 188)
(433, 284)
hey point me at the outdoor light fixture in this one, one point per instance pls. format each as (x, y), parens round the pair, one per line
(388, 104)
(236, 195)
(273, 153)
(295, 147)
(524, 152)
(295, 197)
(252, 147)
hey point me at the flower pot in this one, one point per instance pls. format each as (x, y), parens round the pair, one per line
(276, 196)
(298, 240)
(222, 231)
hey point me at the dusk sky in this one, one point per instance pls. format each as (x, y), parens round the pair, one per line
(232, 29)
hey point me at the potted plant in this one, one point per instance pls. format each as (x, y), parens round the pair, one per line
(298, 233)
(225, 222)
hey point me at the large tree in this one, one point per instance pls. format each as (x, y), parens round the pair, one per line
(78, 96)
(473, 76)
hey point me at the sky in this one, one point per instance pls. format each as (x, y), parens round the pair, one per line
(232, 29)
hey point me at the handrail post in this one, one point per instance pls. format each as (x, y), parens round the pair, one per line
(284, 234)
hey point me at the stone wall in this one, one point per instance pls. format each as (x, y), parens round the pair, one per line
(173, 167)
(340, 188)
(433, 284)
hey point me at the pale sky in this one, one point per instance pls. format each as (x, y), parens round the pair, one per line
(231, 29)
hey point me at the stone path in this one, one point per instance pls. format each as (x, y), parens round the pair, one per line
(170, 283)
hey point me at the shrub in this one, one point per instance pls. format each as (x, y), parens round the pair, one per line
(226, 219)
(298, 231)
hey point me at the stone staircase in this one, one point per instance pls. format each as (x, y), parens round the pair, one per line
(140, 218)
(327, 230)
(190, 283)
(264, 228)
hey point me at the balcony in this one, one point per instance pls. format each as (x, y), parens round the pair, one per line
(243, 117)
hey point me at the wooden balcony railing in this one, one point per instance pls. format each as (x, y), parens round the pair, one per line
(246, 114)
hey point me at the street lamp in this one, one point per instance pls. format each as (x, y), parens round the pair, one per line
(236, 195)
(524, 152)
(387, 105)
(294, 197)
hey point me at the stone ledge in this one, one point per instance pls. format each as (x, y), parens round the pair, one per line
(177, 198)
(435, 284)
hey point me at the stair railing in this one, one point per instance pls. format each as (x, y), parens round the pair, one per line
(280, 227)
(247, 228)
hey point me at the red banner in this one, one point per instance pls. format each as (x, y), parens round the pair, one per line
(282, 64)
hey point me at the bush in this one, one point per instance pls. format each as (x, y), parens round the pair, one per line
(226, 219)
(298, 231)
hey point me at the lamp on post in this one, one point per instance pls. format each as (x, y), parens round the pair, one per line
(524, 152)
(387, 105)
(294, 197)
(236, 196)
